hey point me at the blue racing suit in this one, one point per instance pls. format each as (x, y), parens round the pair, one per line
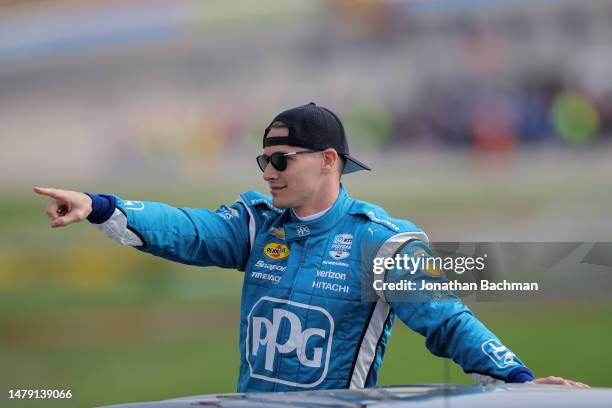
(309, 317)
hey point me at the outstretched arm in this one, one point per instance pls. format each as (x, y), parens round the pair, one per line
(187, 235)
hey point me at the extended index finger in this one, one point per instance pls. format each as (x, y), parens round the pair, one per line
(49, 192)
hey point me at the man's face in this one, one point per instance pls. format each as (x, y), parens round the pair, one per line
(299, 183)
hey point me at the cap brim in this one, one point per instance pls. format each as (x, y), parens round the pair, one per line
(352, 165)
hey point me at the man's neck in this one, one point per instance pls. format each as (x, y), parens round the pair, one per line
(311, 217)
(324, 203)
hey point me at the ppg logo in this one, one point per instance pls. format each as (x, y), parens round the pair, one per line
(500, 355)
(275, 330)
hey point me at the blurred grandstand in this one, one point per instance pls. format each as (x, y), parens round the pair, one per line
(483, 120)
(158, 84)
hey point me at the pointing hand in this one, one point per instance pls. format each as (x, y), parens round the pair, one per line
(65, 206)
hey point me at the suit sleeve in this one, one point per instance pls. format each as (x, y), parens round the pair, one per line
(449, 327)
(192, 236)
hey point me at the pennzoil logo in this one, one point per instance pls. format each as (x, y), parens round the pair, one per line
(274, 250)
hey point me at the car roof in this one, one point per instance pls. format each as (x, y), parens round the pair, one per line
(422, 396)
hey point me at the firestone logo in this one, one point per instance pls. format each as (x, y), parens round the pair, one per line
(308, 344)
(388, 223)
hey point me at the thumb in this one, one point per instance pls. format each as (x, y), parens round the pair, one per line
(65, 220)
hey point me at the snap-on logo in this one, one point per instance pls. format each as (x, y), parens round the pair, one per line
(274, 250)
(276, 330)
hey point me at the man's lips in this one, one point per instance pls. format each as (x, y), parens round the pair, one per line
(275, 189)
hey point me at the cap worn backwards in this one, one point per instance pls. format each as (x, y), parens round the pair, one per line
(317, 128)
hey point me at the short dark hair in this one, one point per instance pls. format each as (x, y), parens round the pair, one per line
(278, 124)
(342, 163)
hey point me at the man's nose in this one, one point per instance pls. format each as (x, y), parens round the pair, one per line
(270, 173)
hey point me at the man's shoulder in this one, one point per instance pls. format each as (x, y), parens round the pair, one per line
(380, 234)
(256, 200)
(259, 207)
(374, 214)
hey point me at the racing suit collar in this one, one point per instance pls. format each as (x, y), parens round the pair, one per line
(296, 229)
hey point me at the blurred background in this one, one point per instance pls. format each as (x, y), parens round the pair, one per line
(483, 121)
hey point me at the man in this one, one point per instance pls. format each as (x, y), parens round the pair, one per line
(308, 317)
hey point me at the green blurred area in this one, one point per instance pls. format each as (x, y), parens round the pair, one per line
(114, 325)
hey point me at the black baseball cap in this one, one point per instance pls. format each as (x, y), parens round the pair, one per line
(317, 128)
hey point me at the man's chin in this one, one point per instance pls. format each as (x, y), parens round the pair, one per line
(279, 203)
(281, 200)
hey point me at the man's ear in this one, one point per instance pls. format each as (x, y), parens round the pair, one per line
(330, 158)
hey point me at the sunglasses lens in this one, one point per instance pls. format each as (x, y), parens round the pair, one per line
(262, 161)
(279, 161)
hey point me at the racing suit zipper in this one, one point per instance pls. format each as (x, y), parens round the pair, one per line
(295, 279)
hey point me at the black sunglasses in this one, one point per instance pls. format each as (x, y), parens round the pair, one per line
(278, 159)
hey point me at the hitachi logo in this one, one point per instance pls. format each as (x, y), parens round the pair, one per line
(330, 286)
